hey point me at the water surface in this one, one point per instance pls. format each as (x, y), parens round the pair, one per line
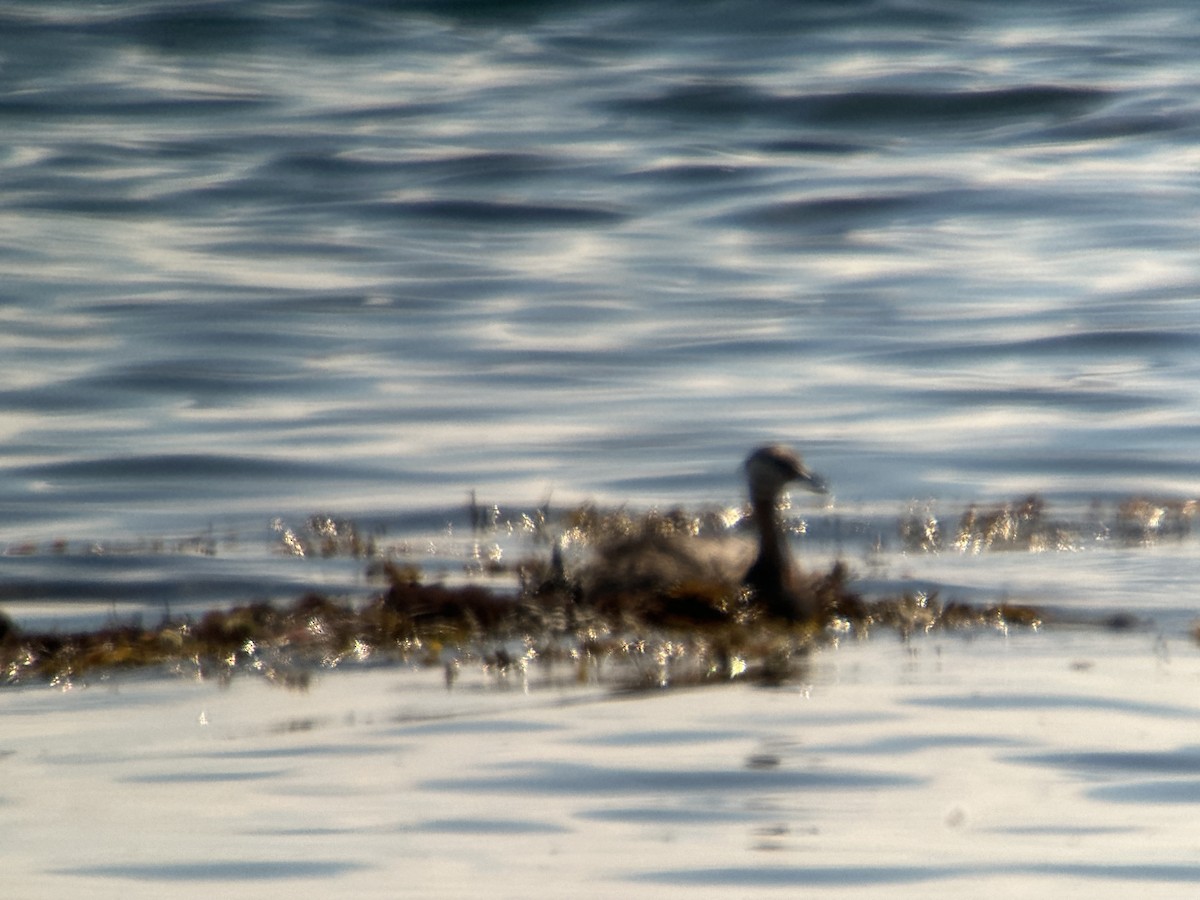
(269, 259)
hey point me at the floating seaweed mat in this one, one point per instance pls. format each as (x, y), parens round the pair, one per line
(687, 632)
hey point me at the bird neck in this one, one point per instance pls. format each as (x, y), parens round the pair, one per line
(772, 547)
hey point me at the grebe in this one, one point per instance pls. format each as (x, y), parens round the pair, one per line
(658, 571)
(774, 578)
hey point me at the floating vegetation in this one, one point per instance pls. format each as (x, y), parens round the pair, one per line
(325, 536)
(628, 600)
(1020, 525)
(1025, 525)
(1145, 520)
(688, 634)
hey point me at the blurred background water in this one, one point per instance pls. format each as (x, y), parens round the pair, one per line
(260, 260)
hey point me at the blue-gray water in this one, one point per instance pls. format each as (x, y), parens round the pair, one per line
(265, 259)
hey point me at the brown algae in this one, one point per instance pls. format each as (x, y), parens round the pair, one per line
(631, 599)
(688, 632)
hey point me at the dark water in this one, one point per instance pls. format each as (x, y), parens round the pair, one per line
(265, 259)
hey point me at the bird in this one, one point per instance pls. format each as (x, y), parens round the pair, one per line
(773, 577)
(665, 572)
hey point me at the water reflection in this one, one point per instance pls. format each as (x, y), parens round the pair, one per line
(802, 876)
(220, 870)
(554, 777)
(525, 251)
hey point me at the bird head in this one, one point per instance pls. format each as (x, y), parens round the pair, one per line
(771, 468)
